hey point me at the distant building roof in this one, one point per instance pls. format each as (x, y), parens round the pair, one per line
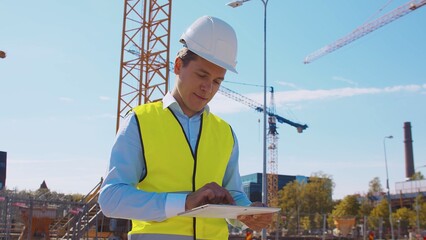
(43, 185)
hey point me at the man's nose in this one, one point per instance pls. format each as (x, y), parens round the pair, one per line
(207, 86)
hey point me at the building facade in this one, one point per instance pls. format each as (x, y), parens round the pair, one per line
(252, 184)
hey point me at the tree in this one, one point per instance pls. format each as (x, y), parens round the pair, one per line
(366, 206)
(318, 197)
(419, 207)
(405, 218)
(375, 186)
(311, 200)
(291, 204)
(348, 207)
(379, 213)
(417, 176)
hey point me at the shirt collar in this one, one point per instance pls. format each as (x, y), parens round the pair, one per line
(170, 101)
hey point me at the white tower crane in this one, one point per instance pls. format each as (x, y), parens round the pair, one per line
(366, 28)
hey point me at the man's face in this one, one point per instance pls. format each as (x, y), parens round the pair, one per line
(196, 84)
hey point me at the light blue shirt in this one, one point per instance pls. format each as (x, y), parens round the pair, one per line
(119, 197)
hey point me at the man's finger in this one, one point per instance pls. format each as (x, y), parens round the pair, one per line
(229, 199)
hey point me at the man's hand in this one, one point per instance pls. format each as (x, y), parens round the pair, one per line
(258, 221)
(209, 193)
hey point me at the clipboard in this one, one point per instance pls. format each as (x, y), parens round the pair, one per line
(225, 211)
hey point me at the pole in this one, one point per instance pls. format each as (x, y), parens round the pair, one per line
(399, 228)
(324, 226)
(264, 174)
(278, 226)
(417, 214)
(265, 179)
(387, 186)
(364, 228)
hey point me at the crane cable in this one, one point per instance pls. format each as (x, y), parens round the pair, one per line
(374, 15)
(378, 11)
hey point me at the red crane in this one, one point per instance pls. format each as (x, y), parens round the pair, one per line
(144, 53)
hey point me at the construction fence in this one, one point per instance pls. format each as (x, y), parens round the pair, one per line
(29, 218)
(317, 226)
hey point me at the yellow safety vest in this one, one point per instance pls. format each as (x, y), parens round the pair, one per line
(171, 166)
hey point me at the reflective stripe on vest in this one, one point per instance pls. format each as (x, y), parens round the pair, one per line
(171, 166)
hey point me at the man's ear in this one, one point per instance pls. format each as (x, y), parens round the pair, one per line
(177, 65)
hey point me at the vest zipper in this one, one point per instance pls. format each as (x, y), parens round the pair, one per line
(194, 156)
(194, 173)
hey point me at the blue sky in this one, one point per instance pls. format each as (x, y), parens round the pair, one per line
(59, 88)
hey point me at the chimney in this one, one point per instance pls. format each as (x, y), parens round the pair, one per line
(3, 156)
(408, 143)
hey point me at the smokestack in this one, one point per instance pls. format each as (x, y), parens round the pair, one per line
(409, 159)
(3, 156)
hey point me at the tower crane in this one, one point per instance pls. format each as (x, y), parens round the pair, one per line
(272, 137)
(144, 54)
(366, 28)
(145, 58)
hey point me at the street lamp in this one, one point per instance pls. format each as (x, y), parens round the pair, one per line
(235, 4)
(387, 186)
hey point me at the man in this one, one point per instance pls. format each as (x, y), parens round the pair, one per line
(174, 155)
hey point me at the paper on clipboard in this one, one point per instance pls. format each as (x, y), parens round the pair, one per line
(225, 211)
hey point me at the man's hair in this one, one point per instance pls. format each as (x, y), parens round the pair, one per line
(186, 56)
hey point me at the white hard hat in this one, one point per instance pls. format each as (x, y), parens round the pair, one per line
(214, 40)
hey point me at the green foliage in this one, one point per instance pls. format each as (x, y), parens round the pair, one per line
(366, 206)
(311, 200)
(379, 213)
(404, 218)
(348, 207)
(417, 176)
(291, 203)
(375, 186)
(76, 197)
(306, 223)
(318, 193)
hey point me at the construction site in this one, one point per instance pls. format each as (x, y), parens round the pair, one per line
(28, 218)
(144, 77)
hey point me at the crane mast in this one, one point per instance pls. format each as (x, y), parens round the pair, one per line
(272, 137)
(272, 167)
(144, 54)
(365, 29)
